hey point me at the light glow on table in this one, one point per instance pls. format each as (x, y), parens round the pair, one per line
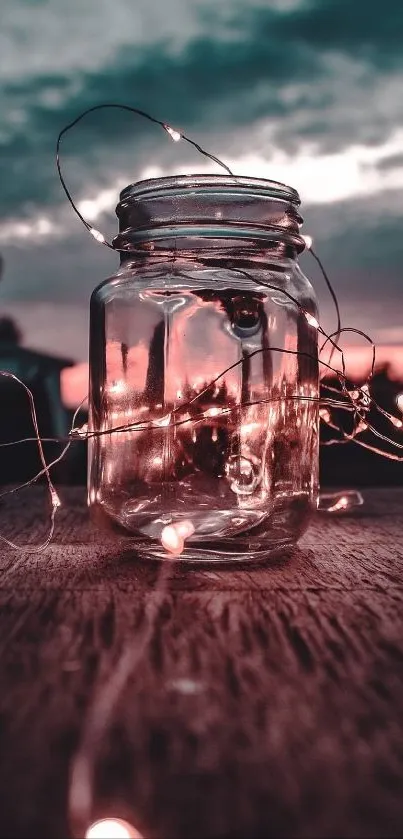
(112, 829)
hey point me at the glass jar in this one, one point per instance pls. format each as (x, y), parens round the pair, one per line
(204, 372)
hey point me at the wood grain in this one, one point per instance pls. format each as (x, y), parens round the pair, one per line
(268, 702)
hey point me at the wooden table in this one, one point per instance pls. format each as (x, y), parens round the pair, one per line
(264, 703)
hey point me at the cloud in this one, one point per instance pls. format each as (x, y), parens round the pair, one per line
(325, 72)
(366, 30)
(307, 92)
(359, 241)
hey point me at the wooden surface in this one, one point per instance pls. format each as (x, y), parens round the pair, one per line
(265, 702)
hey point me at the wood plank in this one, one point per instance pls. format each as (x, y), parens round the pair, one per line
(266, 702)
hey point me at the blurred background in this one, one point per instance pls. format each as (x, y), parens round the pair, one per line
(307, 92)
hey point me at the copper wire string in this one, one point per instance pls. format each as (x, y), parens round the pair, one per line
(357, 401)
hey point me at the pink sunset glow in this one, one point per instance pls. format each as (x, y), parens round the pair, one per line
(74, 380)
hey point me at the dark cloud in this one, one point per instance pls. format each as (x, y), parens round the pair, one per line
(237, 71)
(368, 30)
(360, 241)
(60, 271)
(208, 83)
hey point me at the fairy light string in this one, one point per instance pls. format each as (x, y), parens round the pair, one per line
(172, 133)
(350, 403)
(358, 401)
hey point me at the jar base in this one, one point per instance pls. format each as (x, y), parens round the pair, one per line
(194, 555)
(273, 532)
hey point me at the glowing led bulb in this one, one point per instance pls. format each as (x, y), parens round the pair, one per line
(164, 421)
(79, 431)
(97, 235)
(308, 242)
(399, 402)
(117, 387)
(362, 426)
(311, 320)
(55, 499)
(176, 136)
(171, 540)
(173, 536)
(112, 829)
(341, 504)
(354, 394)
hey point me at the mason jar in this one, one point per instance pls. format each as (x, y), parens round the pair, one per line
(204, 372)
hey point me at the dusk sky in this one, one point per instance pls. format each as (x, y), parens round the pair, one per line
(308, 93)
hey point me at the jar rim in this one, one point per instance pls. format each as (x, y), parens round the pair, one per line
(262, 187)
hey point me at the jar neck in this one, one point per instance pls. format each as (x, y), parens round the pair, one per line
(215, 216)
(219, 252)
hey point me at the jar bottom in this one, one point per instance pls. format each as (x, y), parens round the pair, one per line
(196, 555)
(258, 538)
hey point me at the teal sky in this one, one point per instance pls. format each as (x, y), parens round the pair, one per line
(309, 93)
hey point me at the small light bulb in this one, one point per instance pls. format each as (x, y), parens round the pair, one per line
(308, 242)
(173, 536)
(97, 235)
(172, 540)
(399, 401)
(176, 136)
(354, 394)
(55, 499)
(80, 431)
(311, 320)
(118, 386)
(112, 829)
(163, 421)
(341, 504)
(362, 426)
(324, 415)
(396, 421)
